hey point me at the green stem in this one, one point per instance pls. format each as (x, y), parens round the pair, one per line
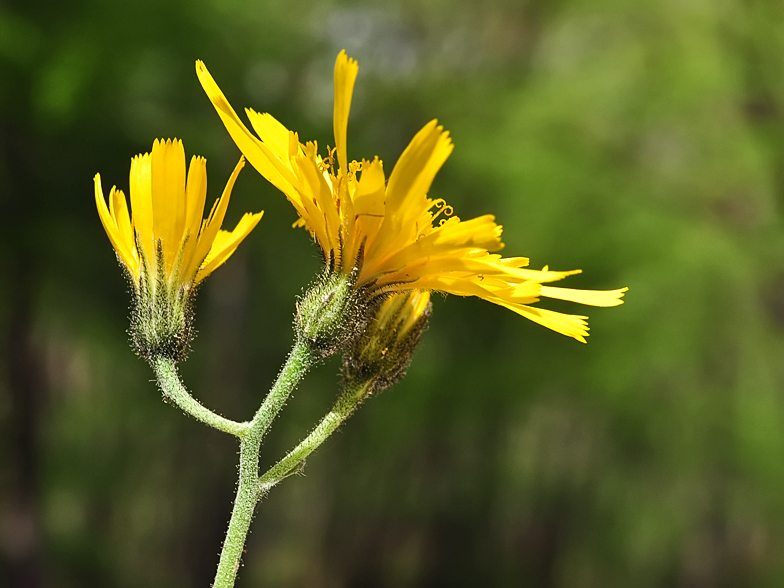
(169, 381)
(241, 516)
(349, 399)
(299, 361)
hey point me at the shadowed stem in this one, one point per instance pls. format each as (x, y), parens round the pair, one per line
(345, 405)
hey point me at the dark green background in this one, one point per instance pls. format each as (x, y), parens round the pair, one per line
(640, 141)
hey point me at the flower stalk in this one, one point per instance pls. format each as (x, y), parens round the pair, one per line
(298, 363)
(166, 372)
(250, 435)
(351, 397)
(323, 326)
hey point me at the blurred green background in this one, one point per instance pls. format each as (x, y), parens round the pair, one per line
(640, 141)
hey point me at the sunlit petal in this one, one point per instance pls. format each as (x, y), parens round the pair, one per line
(346, 70)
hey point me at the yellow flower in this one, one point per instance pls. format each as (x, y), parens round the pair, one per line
(388, 233)
(164, 244)
(166, 225)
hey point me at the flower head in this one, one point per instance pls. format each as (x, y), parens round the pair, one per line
(381, 356)
(388, 233)
(164, 244)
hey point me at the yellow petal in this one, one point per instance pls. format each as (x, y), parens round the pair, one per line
(260, 156)
(195, 195)
(406, 196)
(213, 224)
(141, 203)
(567, 324)
(541, 276)
(590, 297)
(369, 197)
(458, 265)
(320, 192)
(417, 304)
(110, 226)
(347, 218)
(168, 196)
(457, 285)
(271, 132)
(455, 244)
(480, 232)
(118, 208)
(226, 243)
(418, 166)
(368, 206)
(515, 262)
(345, 75)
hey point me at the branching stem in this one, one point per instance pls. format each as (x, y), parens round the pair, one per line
(293, 462)
(299, 361)
(251, 488)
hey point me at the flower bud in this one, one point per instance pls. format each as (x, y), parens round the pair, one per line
(381, 355)
(330, 314)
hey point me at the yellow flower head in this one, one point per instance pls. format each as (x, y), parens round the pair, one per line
(389, 233)
(166, 225)
(165, 245)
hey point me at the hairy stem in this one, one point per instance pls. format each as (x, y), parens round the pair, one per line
(345, 405)
(299, 361)
(173, 390)
(241, 516)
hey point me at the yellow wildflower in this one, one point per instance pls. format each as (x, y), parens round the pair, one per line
(164, 244)
(388, 233)
(167, 217)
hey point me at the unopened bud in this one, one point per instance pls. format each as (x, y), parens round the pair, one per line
(382, 354)
(330, 314)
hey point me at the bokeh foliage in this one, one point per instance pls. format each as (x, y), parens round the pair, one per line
(641, 141)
